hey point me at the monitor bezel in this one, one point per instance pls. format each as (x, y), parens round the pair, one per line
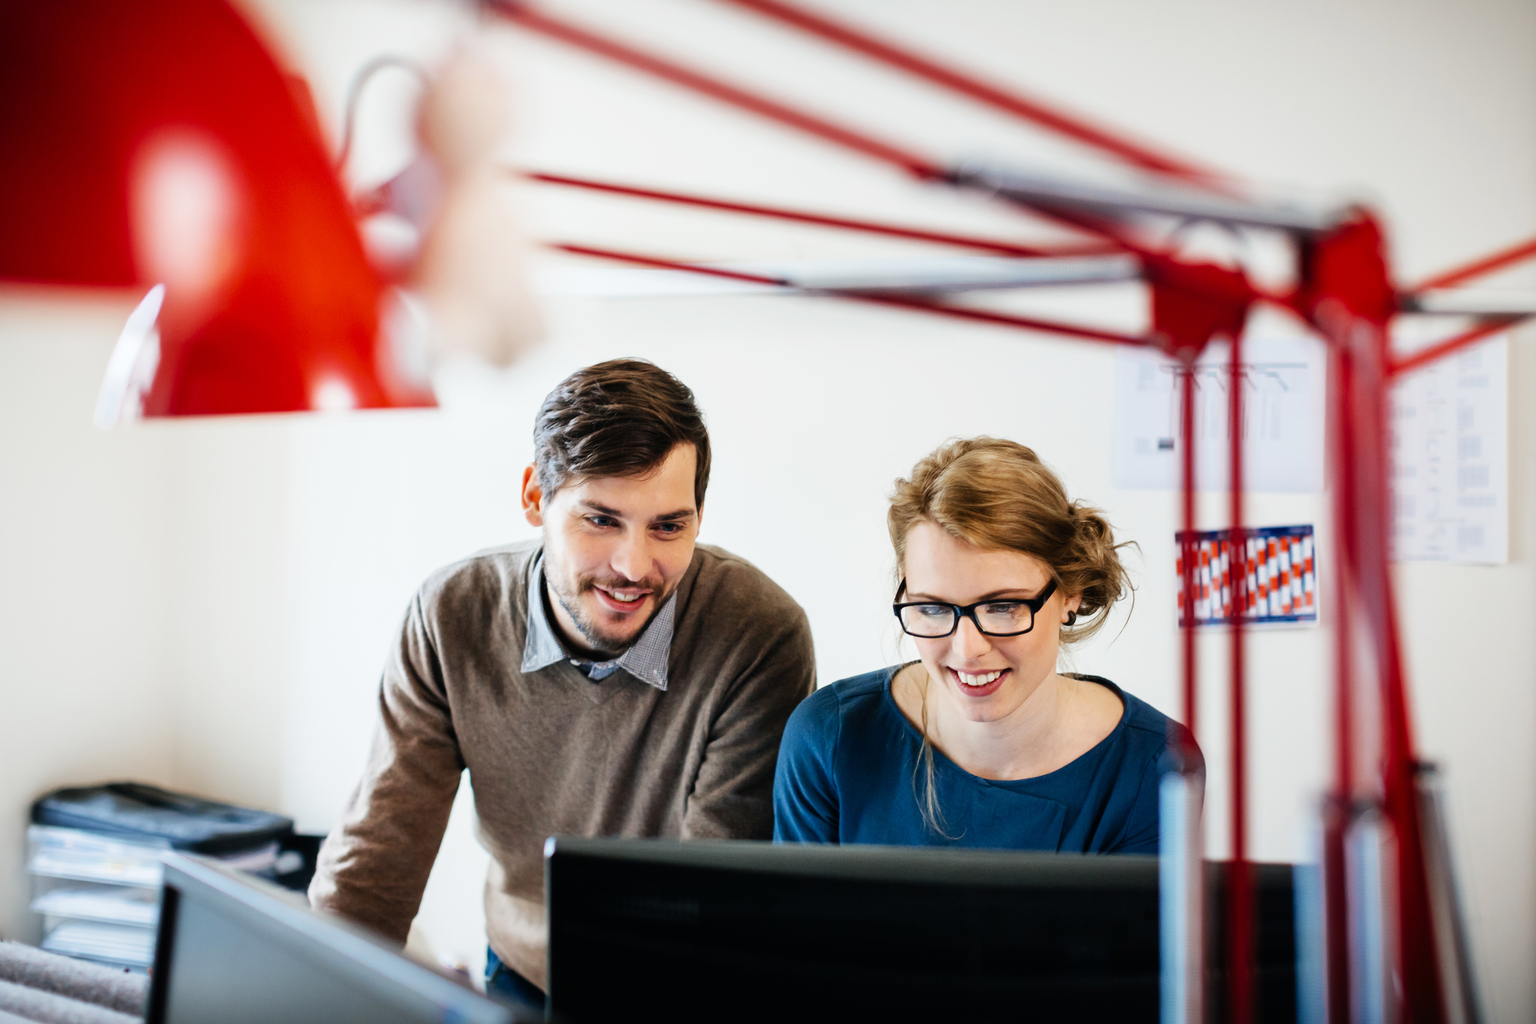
(353, 953)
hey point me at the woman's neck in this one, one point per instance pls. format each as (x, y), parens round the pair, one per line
(1056, 724)
(1012, 747)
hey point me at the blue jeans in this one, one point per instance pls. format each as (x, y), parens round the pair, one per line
(505, 985)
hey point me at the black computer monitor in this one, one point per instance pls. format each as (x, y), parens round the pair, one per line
(739, 931)
(235, 950)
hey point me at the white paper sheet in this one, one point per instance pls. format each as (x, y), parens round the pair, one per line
(1283, 414)
(1450, 449)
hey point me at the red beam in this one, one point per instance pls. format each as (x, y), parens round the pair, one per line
(1010, 102)
(1487, 265)
(526, 16)
(1240, 892)
(876, 298)
(1340, 803)
(825, 220)
(1397, 367)
(1188, 548)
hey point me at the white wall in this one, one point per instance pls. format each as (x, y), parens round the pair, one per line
(84, 574)
(283, 550)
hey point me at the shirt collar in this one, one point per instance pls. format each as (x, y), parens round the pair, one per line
(646, 658)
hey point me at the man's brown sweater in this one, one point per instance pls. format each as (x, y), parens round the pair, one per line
(553, 753)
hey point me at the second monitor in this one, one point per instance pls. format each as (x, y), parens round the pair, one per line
(713, 930)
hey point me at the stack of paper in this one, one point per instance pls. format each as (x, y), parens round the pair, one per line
(98, 903)
(100, 896)
(93, 940)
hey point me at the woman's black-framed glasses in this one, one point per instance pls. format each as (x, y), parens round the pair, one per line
(931, 620)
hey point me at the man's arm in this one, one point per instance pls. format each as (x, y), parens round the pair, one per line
(732, 796)
(374, 864)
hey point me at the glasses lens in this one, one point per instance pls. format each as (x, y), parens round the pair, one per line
(928, 619)
(1005, 617)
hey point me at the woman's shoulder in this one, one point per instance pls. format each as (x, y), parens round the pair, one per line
(826, 711)
(836, 699)
(866, 685)
(836, 711)
(1146, 730)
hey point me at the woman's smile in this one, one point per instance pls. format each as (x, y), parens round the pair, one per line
(976, 684)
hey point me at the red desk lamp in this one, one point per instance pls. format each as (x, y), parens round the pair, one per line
(157, 143)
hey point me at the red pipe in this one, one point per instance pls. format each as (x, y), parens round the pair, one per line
(876, 298)
(1477, 268)
(1119, 243)
(1352, 302)
(1240, 895)
(1440, 350)
(1339, 806)
(1367, 620)
(1417, 956)
(666, 264)
(824, 220)
(1188, 550)
(920, 167)
(528, 17)
(1032, 111)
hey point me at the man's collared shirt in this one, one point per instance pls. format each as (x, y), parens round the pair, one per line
(646, 658)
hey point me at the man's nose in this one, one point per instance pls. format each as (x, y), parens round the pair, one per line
(970, 642)
(632, 560)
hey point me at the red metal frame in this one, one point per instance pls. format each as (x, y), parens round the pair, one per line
(877, 298)
(1479, 267)
(1009, 101)
(1241, 909)
(567, 31)
(1450, 346)
(1344, 292)
(825, 220)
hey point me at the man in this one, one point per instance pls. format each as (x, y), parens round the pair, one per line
(612, 678)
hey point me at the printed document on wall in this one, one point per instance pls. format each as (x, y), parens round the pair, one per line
(1283, 381)
(1450, 458)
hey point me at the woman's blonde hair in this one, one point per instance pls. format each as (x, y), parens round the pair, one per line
(997, 494)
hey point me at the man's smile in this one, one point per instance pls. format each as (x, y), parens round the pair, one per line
(621, 599)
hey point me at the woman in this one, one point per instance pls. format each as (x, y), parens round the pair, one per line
(982, 742)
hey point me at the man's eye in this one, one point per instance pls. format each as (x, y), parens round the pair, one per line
(601, 521)
(670, 529)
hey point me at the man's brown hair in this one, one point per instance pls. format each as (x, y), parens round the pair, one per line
(618, 418)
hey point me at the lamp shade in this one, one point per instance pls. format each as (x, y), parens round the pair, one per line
(157, 143)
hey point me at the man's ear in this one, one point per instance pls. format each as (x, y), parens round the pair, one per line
(533, 498)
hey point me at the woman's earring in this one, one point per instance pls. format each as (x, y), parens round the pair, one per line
(1071, 618)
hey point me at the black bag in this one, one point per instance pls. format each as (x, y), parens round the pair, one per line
(135, 811)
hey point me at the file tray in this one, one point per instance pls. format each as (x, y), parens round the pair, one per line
(141, 813)
(86, 857)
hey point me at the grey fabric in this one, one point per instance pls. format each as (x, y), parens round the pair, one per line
(47, 1008)
(77, 979)
(549, 753)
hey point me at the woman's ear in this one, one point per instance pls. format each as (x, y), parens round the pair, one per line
(1071, 606)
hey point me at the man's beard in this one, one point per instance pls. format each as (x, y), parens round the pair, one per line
(592, 634)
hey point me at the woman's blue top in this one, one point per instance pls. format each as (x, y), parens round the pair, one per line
(849, 772)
